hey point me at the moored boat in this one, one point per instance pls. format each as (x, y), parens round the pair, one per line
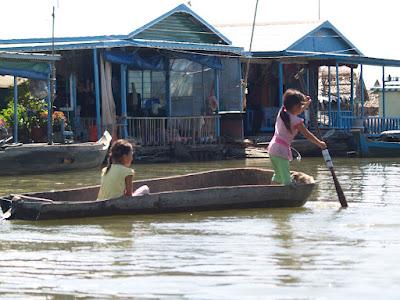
(41, 157)
(211, 190)
(385, 144)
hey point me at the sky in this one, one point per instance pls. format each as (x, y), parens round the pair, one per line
(370, 25)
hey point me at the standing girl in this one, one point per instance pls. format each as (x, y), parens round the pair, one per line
(287, 125)
(117, 177)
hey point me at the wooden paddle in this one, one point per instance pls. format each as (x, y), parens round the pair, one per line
(325, 152)
(328, 161)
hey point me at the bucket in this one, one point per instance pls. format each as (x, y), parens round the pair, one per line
(93, 133)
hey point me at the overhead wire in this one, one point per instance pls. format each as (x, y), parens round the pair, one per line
(246, 76)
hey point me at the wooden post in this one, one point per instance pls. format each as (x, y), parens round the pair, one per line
(15, 130)
(168, 87)
(216, 92)
(280, 75)
(362, 90)
(242, 92)
(329, 97)
(73, 97)
(352, 90)
(194, 128)
(124, 114)
(383, 91)
(97, 91)
(339, 117)
(49, 112)
(241, 97)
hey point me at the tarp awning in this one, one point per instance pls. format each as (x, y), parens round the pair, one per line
(210, 61)
(25, 69)
(136, 61)
(156, 62)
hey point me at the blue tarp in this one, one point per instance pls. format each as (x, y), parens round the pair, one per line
(156, 62)
(212, 62)
(135, 61)
(31, 70)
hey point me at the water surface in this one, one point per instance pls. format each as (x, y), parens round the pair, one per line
(315, 252)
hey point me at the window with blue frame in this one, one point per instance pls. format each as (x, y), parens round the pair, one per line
(190, 86)
(147, 90)
(230, 85)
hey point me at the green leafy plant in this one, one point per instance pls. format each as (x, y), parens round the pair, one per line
(30, 110)
(7, 114)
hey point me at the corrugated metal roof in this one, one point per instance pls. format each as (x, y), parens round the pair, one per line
(181, 11)
(113, 43)
(29, 56)
(141, 37)
(267, 36)
(71, 44)
(180, 27)
(292, 36)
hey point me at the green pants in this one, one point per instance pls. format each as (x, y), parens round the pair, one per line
(282, 170)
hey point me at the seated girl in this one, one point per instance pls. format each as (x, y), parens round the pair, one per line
(116, 178)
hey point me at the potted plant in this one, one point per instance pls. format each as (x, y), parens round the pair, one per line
(58, 118)
(37, 120)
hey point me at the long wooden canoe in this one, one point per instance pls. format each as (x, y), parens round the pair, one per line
(211, 190)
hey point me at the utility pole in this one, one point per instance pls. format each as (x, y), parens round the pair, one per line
(319, 10)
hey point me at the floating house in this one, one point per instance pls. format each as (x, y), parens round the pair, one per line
(290, 55)
(176, 78)
(179, 79)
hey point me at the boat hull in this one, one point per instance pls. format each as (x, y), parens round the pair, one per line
(381, 149)
(373, 147)
(38, 158)
(232, 189)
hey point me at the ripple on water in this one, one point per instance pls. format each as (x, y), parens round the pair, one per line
(307, 253)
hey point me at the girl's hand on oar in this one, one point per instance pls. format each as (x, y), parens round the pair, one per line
(322, 145)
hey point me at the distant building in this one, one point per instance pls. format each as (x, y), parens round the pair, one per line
(389, 104)
(315, 58)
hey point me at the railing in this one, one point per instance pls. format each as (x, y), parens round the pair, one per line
(332, 120)
(371, 124)
(375, 125)
(158, 131)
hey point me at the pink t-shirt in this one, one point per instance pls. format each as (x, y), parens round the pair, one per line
(282, 139)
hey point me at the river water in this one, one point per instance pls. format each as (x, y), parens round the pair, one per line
(315, 252)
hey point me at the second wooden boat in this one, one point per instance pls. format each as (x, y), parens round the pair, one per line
(38, 158)
(381, 145)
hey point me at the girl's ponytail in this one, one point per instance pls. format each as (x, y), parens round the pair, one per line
(285, 118)
(109, 163)
(117, 151)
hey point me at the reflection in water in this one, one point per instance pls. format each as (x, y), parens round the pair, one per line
(286, 258)
(258, 253)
